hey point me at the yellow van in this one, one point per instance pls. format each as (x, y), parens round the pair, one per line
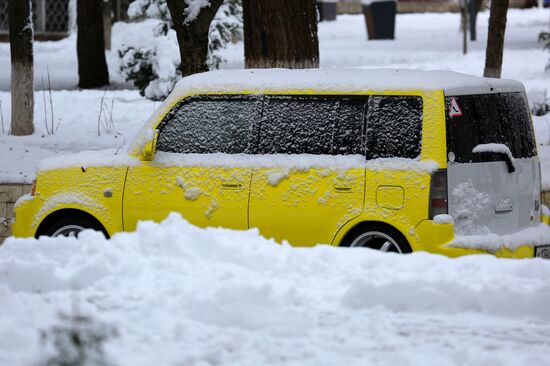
(394, 160)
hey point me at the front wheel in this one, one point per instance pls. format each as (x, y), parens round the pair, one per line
(72, 226)
(379, 237)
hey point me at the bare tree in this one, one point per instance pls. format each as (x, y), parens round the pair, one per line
(474, 7)
(90, 44)
(495, 39)
(22, 95)
(280, 34)
(192, 24)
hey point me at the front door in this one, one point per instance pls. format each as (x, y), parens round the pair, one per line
(203, 195)
(195, 170)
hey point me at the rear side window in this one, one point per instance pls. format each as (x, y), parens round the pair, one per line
(394, 126)
(488, 118)
(209, 125)
(312, 125)
(349, 131)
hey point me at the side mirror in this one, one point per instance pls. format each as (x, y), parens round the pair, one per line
(149, 148)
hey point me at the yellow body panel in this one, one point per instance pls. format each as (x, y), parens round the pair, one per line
(95, 190)
(303, 207)
(205, 196)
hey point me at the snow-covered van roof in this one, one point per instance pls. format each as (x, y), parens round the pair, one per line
(341, 80)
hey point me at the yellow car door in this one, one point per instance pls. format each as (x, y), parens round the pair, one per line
(205, 196)
(192, 171)
(307, 196)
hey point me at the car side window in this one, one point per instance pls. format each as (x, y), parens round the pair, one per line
(297, 125)
(311, 125)
(210, 124)
(394, 126)
(349, 133)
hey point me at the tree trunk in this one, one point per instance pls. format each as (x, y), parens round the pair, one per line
(90, 45)
(192, 34)
(464, 19)
(22, 94)
(280, 34)
(107, 23)
(495, 39)
(474, 7)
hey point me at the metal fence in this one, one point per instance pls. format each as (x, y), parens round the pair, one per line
(49, 16)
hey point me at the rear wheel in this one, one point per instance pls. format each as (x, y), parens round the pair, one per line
(378, 237)
(72, 226)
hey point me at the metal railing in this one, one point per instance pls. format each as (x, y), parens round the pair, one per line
(49, 16)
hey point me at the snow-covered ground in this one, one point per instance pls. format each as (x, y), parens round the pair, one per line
(179, 295)
(424, 41)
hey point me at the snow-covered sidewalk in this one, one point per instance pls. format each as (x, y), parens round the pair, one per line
(179, 295)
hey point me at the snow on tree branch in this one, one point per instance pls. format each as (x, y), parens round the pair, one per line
(193, 9)
(151, 60)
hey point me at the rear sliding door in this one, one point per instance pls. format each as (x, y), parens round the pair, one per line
(302, 195)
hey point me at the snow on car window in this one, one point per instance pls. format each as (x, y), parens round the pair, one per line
(394, 127)
(297, 125)
(489, 119)
(318, 125)
(209, 125)
(312, 125)
(349, 135)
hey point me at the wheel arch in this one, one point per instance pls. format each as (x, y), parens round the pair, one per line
(366, 225)
(55, 216)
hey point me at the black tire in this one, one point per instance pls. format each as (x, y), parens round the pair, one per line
(378, 237)
(72, 226)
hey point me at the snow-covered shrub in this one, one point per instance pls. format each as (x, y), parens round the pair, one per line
(227, 23)
(77, 341)
(539, 101)
(153, 67)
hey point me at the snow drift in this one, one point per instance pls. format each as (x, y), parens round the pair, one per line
(187, 296)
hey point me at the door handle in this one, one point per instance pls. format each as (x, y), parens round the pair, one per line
(343, 189)
(504, 206)
(232, 185)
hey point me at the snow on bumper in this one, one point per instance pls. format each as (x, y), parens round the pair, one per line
(522, 241)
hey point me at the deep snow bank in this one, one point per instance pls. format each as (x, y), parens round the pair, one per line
(182, 295)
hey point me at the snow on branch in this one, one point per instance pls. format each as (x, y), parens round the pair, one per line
(193, 9)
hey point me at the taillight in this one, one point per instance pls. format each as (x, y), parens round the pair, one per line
(438, 194)
(33, 188)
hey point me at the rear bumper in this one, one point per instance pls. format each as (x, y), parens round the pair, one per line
(440, 239)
